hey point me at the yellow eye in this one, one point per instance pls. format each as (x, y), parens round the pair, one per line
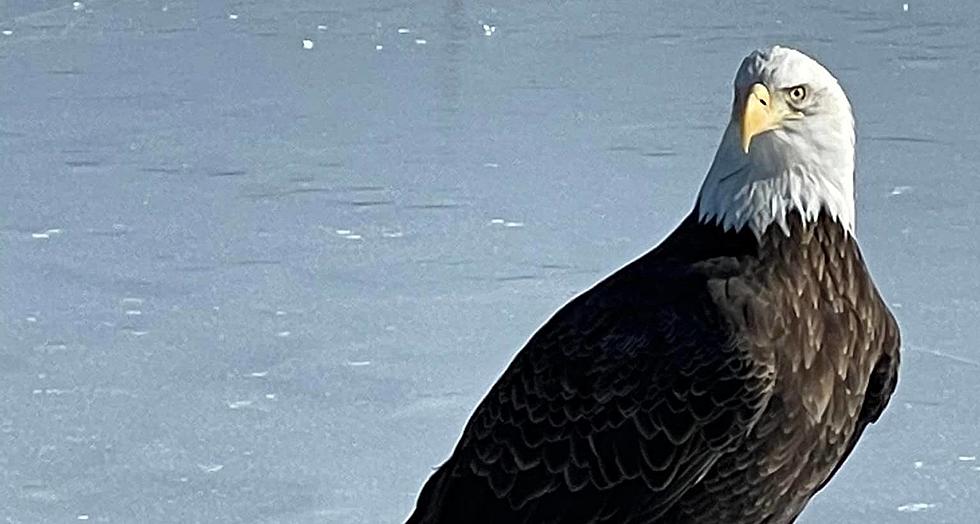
(797, 94)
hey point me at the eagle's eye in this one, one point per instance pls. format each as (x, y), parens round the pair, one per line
(797, 94)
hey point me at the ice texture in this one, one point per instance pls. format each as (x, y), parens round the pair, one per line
(247, 282)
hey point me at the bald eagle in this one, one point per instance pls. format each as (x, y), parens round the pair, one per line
(722, 377)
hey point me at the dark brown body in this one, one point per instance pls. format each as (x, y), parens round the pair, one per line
(718, 378)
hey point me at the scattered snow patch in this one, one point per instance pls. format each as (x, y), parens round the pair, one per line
(506, 223)
(46, 233)
(915, 507)
(898, 190)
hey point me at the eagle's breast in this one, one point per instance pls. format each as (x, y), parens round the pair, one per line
(807, 308)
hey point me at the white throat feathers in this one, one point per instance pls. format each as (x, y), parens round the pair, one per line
(788, 147)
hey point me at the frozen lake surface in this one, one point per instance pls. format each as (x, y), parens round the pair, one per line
(261, 259)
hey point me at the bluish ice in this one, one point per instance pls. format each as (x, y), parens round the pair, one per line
(259, 260)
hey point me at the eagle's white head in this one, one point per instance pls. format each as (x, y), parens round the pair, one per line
(789, 146)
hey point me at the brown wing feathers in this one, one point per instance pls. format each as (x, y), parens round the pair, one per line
(633, 396)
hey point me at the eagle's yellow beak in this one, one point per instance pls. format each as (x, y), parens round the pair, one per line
(759, 115)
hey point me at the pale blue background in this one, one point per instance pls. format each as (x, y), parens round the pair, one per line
(242, 281)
